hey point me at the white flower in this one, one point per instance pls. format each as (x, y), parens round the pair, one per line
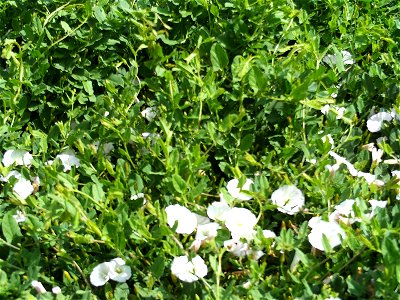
(328, 138)
(187, 220)
(56, 290)
(332, 168)
(289, 199)
(396, 173)
(269, 234)
(204, 232)
(217, 210)
(107, 147)
(114, 269)
(149, 113)
(189, 271)
(370, 178)
(331, 230)
(377, 155)
(347, 58)
(207, 231)
(374, 123)
(325, 109)
(374, 205)
(100, 274)
(38, 286)
(15, 174)
(17, 157)
(341, 160)
(236, 247)
(240, 249)
(344, 212)
(119, 271)
(68, 159)
(340, 112)
(237, 192)
(19, 217)
(240, 222)
(23, 188)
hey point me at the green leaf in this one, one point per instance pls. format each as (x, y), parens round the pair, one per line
(10, 227)
(87, 85)
(219, 57)
(240, 67)
(246, 142)
(99, 14)
(158, 266)
(178, 183)
(65, 26)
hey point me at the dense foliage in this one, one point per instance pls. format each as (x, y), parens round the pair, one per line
(129, 107)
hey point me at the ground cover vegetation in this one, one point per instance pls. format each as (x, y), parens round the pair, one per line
(199, 149)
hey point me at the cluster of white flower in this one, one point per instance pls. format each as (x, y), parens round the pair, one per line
(370, 178)
(331, 229)
(22, 187)
(239, 221)
(115, 269)
(376, 120)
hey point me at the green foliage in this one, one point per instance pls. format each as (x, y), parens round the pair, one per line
(164, 102)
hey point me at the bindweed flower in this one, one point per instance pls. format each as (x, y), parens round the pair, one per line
(240, 222)
(239, 193)
(106, 147)
(38, 286)
(328, 139)
(23, 188)
(344, 212)
(236, 247)
(217, 210)
(19, 217)
(15, 174)
(376, 204)
(375, 122)
(69, 160)
(119, 271)
(377, 155)
(289, 199)
(115, 269)
(204, 232)
(332, 168)
(242, 249)
(325, 109)
(340, 112)
(189, 270)
(320, 228)
(17, 157)
(187, 221)
(347, 58)
(149, 113)
(56, 290)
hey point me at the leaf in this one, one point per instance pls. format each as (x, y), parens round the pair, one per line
(178, 183)
(257, 80)
(219, 57)
(240, 67)
(10, 227)
(87, 85)
(65, 26)
(99, 14)
(246, 142)
(158, 266)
